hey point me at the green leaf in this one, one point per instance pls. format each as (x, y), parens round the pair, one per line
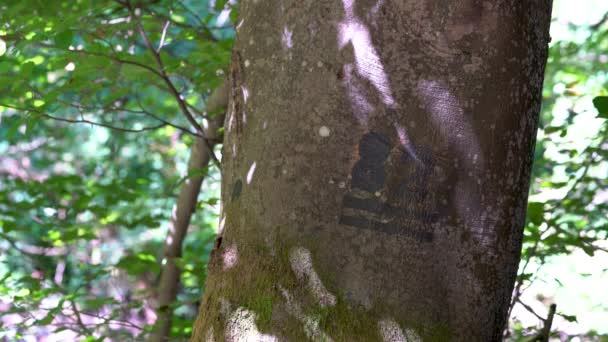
(14, 128)
(48, 319)
(234, 14)
(588, 249)
(32, 120)
(64, 39)
(535, 212)
(569, 318)
(2, 47)
(138, 264)
(97, 303)
(220, 4)
(601, 104)
(27, 68)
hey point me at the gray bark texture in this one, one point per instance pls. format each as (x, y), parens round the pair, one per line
(376, 166)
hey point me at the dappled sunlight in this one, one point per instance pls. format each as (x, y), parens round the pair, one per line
(251, 172)
(286, 38)
(241, 327)
(230, 120)
(448, 119)
(70, 66)
(354, 88)
(220, 227)
(391, 331)
(230, 256)
(374, 10)
(245, 92)
(301, 264)
(405, 142)
(353, 30)
(311, 324)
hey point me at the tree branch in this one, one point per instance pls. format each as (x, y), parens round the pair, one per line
(99, 54)
(180, 220)
(163, 74)
(120, 129)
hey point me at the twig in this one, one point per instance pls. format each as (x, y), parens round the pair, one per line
(79, 318)
(99, 54)
(529, 308)
(599, 23)
(120, 129)
(14, 244)
(545, 333)
(163, 35)
(548, 323)
(156, 117)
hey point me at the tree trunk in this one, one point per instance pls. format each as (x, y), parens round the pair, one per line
(376, 167)
(200, 155)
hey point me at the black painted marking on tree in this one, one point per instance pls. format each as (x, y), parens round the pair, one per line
(390, 190)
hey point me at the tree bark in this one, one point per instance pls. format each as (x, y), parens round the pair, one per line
(376, 166)
(200, 155)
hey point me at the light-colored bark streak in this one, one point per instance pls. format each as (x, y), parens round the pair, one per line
(181, 216)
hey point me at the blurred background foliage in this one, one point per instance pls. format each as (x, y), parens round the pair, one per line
(93, 148)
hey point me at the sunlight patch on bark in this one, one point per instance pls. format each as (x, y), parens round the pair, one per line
(210, 336)
(367, 60)
(405, 142)
(286, 38)
(251, 172)
(245, 92)
(220, 227)
(301, 264)
(361, 106)
(241, 327)
(449, 119)
(412, 336)
(230, 256)
(392, 332)
(311, 325)
(456, 129)
(230, 120)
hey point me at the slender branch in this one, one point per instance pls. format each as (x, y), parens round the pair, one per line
(14, 244)
(545, 333)
(548, 323)
(79, 318)
(193, 13)
(110, 108)
(578, 180)
(99, 54)
(529, 308)
(599, 23)
(156, 117)
(202, 30)
(163, 74)
(163, 35)
(120, 129)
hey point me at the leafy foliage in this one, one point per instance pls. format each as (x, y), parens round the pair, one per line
(93, 142)
(569, 196)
